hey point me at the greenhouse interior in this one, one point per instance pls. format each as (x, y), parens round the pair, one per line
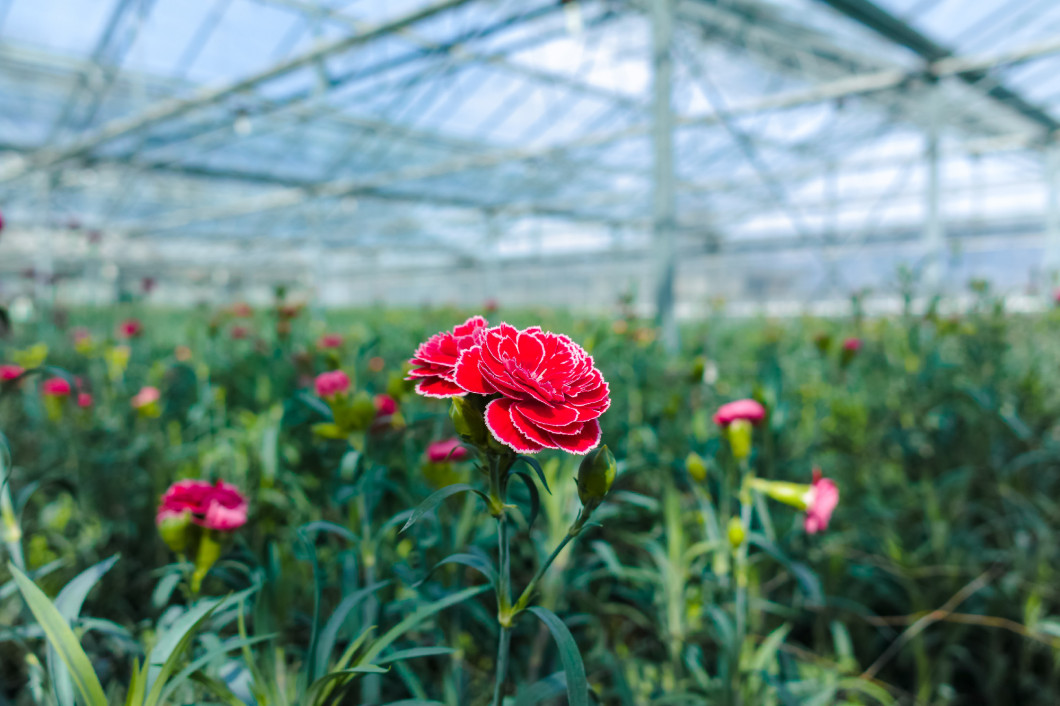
(515, 352)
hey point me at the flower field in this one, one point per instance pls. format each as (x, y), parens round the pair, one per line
(283, 506)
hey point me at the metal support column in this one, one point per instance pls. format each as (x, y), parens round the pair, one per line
(664, 203)
(934, 234)
(1052, 213)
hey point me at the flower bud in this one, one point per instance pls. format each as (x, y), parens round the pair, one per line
(362, 411)
(176, 529)
(595, 476)
(696, 466)
(209, 551)
(739, 435)
(736, 533)
(468, 421)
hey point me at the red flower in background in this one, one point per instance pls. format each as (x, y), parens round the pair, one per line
(747, 409)
(852, 344)
(242, 310)
(240, 332)
(330, 340)
(55, 387)
(551, 395)
(130, 328)
(824, 496)
(84, 400)
(218, 507)
(434, 363)
(10, 372)
(333, 383)
(385, 405)
(448, 450)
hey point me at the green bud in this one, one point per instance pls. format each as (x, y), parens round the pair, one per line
(362, 411)
(795, 494)
(739, 435)
(595, 476)
(209, 551)
(176, 531)
(468, 421)
(736, 532)
(696, 466)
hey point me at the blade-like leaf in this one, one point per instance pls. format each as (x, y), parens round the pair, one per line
(62, 638)
(479, 563)
(328, 636)
(435, 499)
(551, 686)
(573, 668)
(535, 497)
(536, 465)
(414, 652)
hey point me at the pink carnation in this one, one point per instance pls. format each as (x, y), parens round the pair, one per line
(130, 328)
(330, 340)
(334, 383)
(550, 394)
(84, 400)
(10, 372)
(80, 334)
(55, 387)
(824, 496)
(747, 409)
(852, 344)
(434, 363)
(218, 507)
(240, 332)
(146, 396)
(385, 405)
(448, 450)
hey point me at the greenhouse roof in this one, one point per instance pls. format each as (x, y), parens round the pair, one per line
(421, 130)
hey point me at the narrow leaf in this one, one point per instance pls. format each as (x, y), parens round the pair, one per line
(436, 498)
(573, 668)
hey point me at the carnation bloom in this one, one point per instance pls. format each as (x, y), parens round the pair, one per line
(130, 328)
(84, 400)
(240, 332)
(55, 387)
(10, 372)
(146, 395)
(852, 344)
(821, 500)
(385, 405)
(218, 507)
(448, 450)
(332, 383)
(551, 396)
(330, 340)
(434, 363)
(748, 409)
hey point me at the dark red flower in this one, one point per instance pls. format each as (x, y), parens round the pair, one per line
(435, 360)
(130, 328)
(852, 344)
(551, 395)
(385, 405)
(330, 340)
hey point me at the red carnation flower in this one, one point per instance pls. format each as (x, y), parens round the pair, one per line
(821, 501)
(10, 372)
(750, 410)
(240, 332)
(852, 344)
(330, 340)
(84, 400)
(551, 395)
(448, 450)
(435, 361)
(130, 328)
(335, 382)
(55, 387)
(385, 405)
(217, 507)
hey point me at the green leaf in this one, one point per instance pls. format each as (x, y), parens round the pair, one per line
(415, 652)
(479, 563)
(329, 635)
(436, 498)
(573, 668)
(189, 672)
(68, 603)
(536, 465)
(218, 689)
(535, 497)
(328, 430)
(62, 638)
(551, 686)
(767, 651)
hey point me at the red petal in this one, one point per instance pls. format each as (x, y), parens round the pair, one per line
(468, 327)
(581, 443)
(499, 422)
(529, 430)
(531, 351)
(467, 374)
(547, 414)
(439, 387)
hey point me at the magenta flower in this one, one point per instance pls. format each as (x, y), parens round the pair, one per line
(84, 400)
(329, 341)
(448, 450)
(434, 363)
(218, 507)
(852, 344)
(550, 395)
(747, 409)
(385, 405)
(55, 387)
(10, 372)
(130, 328)
(335, 382)
(820, 502)
(146, 396)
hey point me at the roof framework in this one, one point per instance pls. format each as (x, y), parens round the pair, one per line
(247, 135)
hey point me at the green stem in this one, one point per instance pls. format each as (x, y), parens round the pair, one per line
(528, 592)
(498, 487)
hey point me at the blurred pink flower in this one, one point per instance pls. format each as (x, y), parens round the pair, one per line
(130, 328)
(333, 383)
(822, 500)
(84, 400)
(330, 340)
(852, 344)
(55, 387)
(747, 409)
(448, 450)
(218, 507)
(385, 405)
(146, 395)
(10, 372)
(240, 332)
